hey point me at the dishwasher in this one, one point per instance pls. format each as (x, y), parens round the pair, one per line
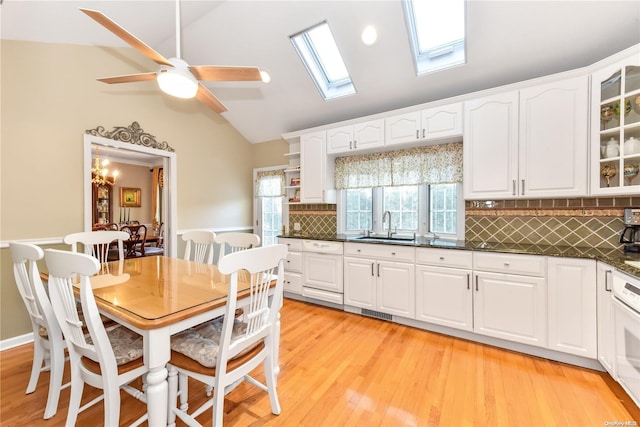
(322, 271)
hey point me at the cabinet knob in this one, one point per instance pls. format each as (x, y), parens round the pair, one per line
(441, 258)
(393, 253)
(506, 264)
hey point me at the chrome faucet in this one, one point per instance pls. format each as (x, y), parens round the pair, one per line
(386, 215)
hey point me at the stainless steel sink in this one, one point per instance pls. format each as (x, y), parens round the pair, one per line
(385, 239)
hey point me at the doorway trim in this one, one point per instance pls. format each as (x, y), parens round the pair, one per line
(122, 138)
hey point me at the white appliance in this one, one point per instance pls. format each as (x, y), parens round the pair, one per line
(322, 271)
(626, 299)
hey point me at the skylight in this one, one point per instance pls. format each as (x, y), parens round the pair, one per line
(437, 33)
(318, 50)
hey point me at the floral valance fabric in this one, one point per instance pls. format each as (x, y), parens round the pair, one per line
(436, 164)
(270, 183)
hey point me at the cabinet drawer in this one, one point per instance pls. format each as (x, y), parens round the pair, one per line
(293, 283)
(387, 252)
(527, 265)
(445, 258)
(293, 263)
(292, 244)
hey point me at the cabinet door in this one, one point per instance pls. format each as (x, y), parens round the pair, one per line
(606, 327)
(313, 168)
(293, 283)
(572, 306)
(340, 140)
(511, 307)
(442, 122)
(444, 297)
(553, 139)
(360, 282)
(322, 271)
(491, 147)
(402, 128)
(368, 134)
(396, 288)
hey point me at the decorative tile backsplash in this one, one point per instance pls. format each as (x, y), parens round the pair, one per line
(559, 222)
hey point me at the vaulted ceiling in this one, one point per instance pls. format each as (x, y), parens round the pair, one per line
(507, 42)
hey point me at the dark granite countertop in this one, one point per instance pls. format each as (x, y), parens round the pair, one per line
(614, 257)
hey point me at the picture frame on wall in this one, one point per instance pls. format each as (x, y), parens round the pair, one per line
(129, 197)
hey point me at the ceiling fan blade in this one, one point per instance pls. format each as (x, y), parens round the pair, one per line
(132, 40)
(130, 78)
(207, 98)
(215, 73)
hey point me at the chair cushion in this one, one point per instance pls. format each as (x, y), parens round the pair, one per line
(127, 345)
(201, 342)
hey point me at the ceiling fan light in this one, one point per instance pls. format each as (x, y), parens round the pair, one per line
(266, 78)
(176, 83)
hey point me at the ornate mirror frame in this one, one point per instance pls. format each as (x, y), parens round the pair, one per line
(133, 138)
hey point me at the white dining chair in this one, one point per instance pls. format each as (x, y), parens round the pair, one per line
(98, 243)
(234, 242)
(109, 360)
(48, 343)
(223, 353)
(199, 246)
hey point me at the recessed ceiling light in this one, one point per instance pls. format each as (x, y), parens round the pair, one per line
(369, 35)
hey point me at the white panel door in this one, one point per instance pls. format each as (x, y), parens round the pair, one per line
(360, 282)
(444, 296)
(571, 291)
(396, 288)
(340, 140)
(491, 147)
(606, 326)
(511, 307)
(553, 139)
(441, 122)
(313, 159)
(322, 271)
(402, 128)
(368, 134)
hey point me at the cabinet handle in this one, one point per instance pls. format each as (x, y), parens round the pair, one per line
(350, 145)
(417, 134)
(522, 191)
(355, 144)
(378, 270)
(423, 134)
(372, 268)
(513, 190)
(468, 281)
(476, 283)
(606, 280)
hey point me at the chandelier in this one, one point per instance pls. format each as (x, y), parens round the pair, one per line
(100, 172)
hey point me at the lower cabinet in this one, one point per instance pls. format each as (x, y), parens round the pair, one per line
(378, 284)
(292, 266)
(572, 306)
(604, 311)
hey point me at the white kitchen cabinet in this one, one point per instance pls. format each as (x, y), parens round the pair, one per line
(375, 280)
(615, 120)
(571, 302)
(606, 326)
(429, 124)
(353, 138)
(510, 306)
(316, 172)
(529, 143)
(292, 266)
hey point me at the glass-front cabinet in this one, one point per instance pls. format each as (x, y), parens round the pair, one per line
(615, 133)
(102, 204)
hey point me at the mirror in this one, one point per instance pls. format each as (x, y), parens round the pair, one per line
(131, 149)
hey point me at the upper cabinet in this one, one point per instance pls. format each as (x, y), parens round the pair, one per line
(615, 128)
(356, 137)
(316, 170)
(430, 124)
(529, 143)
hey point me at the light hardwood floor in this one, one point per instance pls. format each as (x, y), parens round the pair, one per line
(341, 369)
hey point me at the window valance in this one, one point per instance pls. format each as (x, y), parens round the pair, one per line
(270, 183)
(436, 164)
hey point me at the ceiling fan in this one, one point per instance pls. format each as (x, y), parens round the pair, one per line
(175, 76)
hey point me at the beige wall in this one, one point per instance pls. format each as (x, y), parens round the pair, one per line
(49, 97)
(270, 153)
(133, 176)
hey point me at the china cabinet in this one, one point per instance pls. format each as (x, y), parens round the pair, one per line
(353, 138)
(615, 128)
(571, 287)
(316, 170)
(102, 204)
(429, 124)
(533, 141)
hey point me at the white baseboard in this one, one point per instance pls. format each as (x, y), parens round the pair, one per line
(16, 341)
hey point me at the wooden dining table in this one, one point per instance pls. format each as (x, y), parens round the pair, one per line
(158, 296)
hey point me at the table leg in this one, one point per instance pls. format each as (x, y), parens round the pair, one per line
(157, 396)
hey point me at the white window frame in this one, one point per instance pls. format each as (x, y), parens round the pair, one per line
(257, 205)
